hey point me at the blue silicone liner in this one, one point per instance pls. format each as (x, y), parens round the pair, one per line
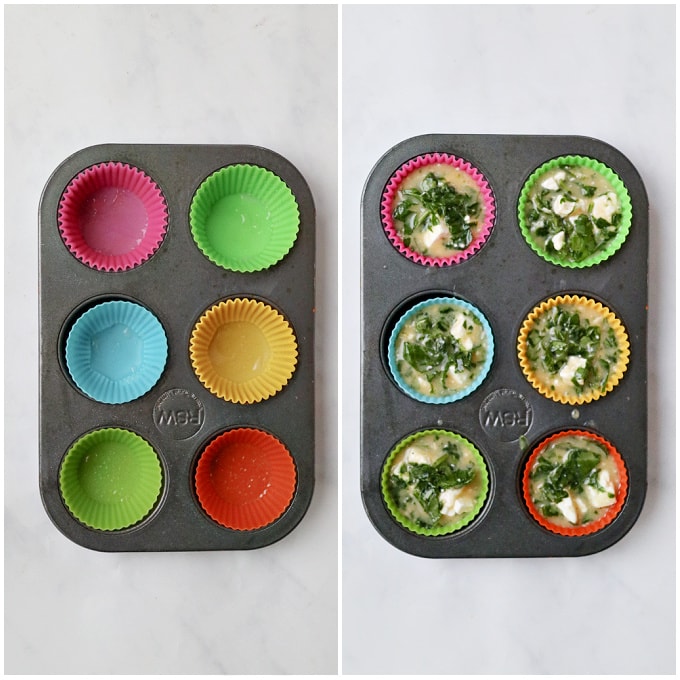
(116, 351)
(456, 396)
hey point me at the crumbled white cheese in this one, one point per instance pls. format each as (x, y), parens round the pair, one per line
(602, 499)
(458, 327)
(422, 384)
(580, 506)
(568, 371)
(413, 454)
(605, 206)
(558, 240)
(431, 235)
(551, 183)
(455, 380)
(462, 334)
(452, 504)
(568, 509)
(562, 207)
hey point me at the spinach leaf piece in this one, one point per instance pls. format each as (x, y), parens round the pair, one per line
(438, 201)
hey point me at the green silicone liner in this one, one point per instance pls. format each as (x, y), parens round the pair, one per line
(619, 188)
(244, 218)
(439, 530)
(114, 494)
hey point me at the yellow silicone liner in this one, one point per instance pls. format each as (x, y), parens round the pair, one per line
(615, 375)
(243, 350)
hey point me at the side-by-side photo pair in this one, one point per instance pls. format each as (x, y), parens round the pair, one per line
(339, 339)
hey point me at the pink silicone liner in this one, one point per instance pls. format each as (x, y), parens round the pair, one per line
(389, 195)
(119, 237)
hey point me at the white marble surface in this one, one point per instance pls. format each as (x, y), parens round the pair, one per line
(82, 75)
(607, 72)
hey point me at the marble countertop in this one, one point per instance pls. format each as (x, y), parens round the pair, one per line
(602, 71)
(267, 75)
(82, 75)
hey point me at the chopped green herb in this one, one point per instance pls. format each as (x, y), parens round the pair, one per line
(573, 212)
(435, 201)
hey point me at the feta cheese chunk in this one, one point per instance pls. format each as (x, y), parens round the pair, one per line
(605, 206)
(455, 380)
(551, 183)
(568, 509)
(568, 371)
(561, 206)
(558, 240)
(598, 498)
(452, 503)
(458, 327)
(413, 454)
(431, 235)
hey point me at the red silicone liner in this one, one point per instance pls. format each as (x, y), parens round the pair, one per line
(605, 519)
(486, 195)
(245, 479)
(112, 217)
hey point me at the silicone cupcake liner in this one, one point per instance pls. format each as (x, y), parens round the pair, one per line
(116, 351)
(390, 193)
(243, 351)
(110, 479)
(460, 394)
(112, 217)
(586, 529)
(616, 373)
(438, 530)
(245, 479)
(626, 211)
(244, 218)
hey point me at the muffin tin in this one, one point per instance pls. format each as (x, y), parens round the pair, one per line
(175, 412)
(505, 418)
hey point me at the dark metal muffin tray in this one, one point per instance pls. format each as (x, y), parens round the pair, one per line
(178, 416)
(505, 417)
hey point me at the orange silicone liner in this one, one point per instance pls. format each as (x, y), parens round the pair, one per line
(245, 479)
(621, 337)
(586, 529)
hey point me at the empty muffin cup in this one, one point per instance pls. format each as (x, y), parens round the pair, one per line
(440, 350)
(116, 351)
(574, 211)
(572, 349)
(574, 483)
(437, 209)
(110, 479)
(244, 218)
(112, 217)
(434, 482)
(243, 350)
(245, 479)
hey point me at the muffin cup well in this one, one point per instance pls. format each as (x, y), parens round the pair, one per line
(453, 395)
(616, 372)
(243, 350)
(244, 218)
(116, 351)
(607, 249)
(110, 479)
(588, 528)
(482, 232)
(245, 479)
(112, 217)
(438, 530)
